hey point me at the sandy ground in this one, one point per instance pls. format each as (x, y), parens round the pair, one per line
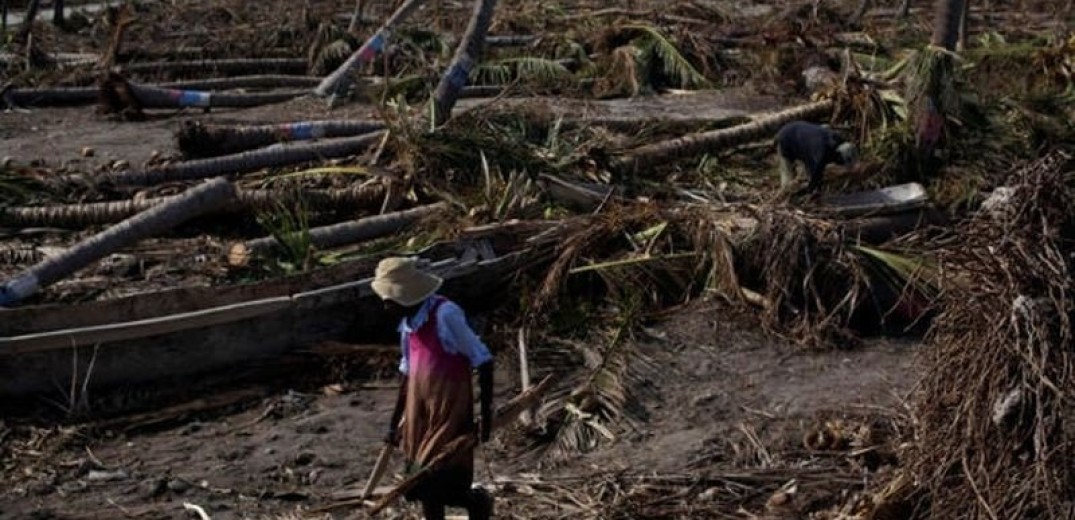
(714, 380)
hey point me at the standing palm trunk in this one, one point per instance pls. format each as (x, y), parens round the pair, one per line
(467, 55)
(57, 13)
(946, 22)
(28, 21)
(716, 140)
(932, 94)
(205, 198)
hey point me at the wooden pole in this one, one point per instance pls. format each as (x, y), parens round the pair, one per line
(504, 416)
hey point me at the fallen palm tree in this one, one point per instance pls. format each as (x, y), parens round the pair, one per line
(197, 139)
(278, 155)
(96, 213)
(342, 233)
(196, 201)
(716, 140)
(992, 430)
(252, 81)
(117, 95)
(64, 96)
(228, 66)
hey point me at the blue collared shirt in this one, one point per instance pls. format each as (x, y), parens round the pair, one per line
(455, 334)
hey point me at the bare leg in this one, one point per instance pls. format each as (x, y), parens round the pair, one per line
(787, 171)
(479, 505)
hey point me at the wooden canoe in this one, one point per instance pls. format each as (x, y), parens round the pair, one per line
(188, 331)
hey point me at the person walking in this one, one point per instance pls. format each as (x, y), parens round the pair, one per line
(435, 404)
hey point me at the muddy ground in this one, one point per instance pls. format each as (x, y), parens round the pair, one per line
(717, 384)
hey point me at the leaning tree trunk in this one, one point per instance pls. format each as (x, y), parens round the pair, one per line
(344, 233)
(78, 216)
(283, 154)
(197, 139)
(356, 16)
(467, 56)
(335, 83)
(208, 197)
(717, 140)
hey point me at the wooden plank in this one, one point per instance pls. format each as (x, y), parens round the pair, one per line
(116, 332)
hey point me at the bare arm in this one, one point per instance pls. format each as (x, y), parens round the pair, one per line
(485, 385)
(397, 413)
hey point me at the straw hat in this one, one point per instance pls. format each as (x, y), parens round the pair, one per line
(401, 280)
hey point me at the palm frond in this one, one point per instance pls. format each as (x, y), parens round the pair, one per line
(491, 74)
(673, 63)
(331, 56)
(589, 410)
(531, 69)
(291, 227)
(16, 188)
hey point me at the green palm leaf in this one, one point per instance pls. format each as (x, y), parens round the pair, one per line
(663, 51)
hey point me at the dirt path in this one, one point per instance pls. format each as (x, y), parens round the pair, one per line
(293, 451)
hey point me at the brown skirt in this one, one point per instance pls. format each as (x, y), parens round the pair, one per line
(438, 410)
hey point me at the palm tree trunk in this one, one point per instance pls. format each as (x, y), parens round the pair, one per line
(117, 95)
(340, 79)
(78, 216)
(207, 197)
(3, 18)
(197, 139)
(963, 28)
(860, 13)
(946, 23)
(467, 55)
(283, 154)
(64, 96)
(227, 66)
(252, 81)
(57, 13)
(28, 21)
(56, 96)
(356, 16)
(717, 140)
(905, 9)
(352, 232)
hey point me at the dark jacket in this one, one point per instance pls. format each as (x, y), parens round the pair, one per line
(814, 145)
